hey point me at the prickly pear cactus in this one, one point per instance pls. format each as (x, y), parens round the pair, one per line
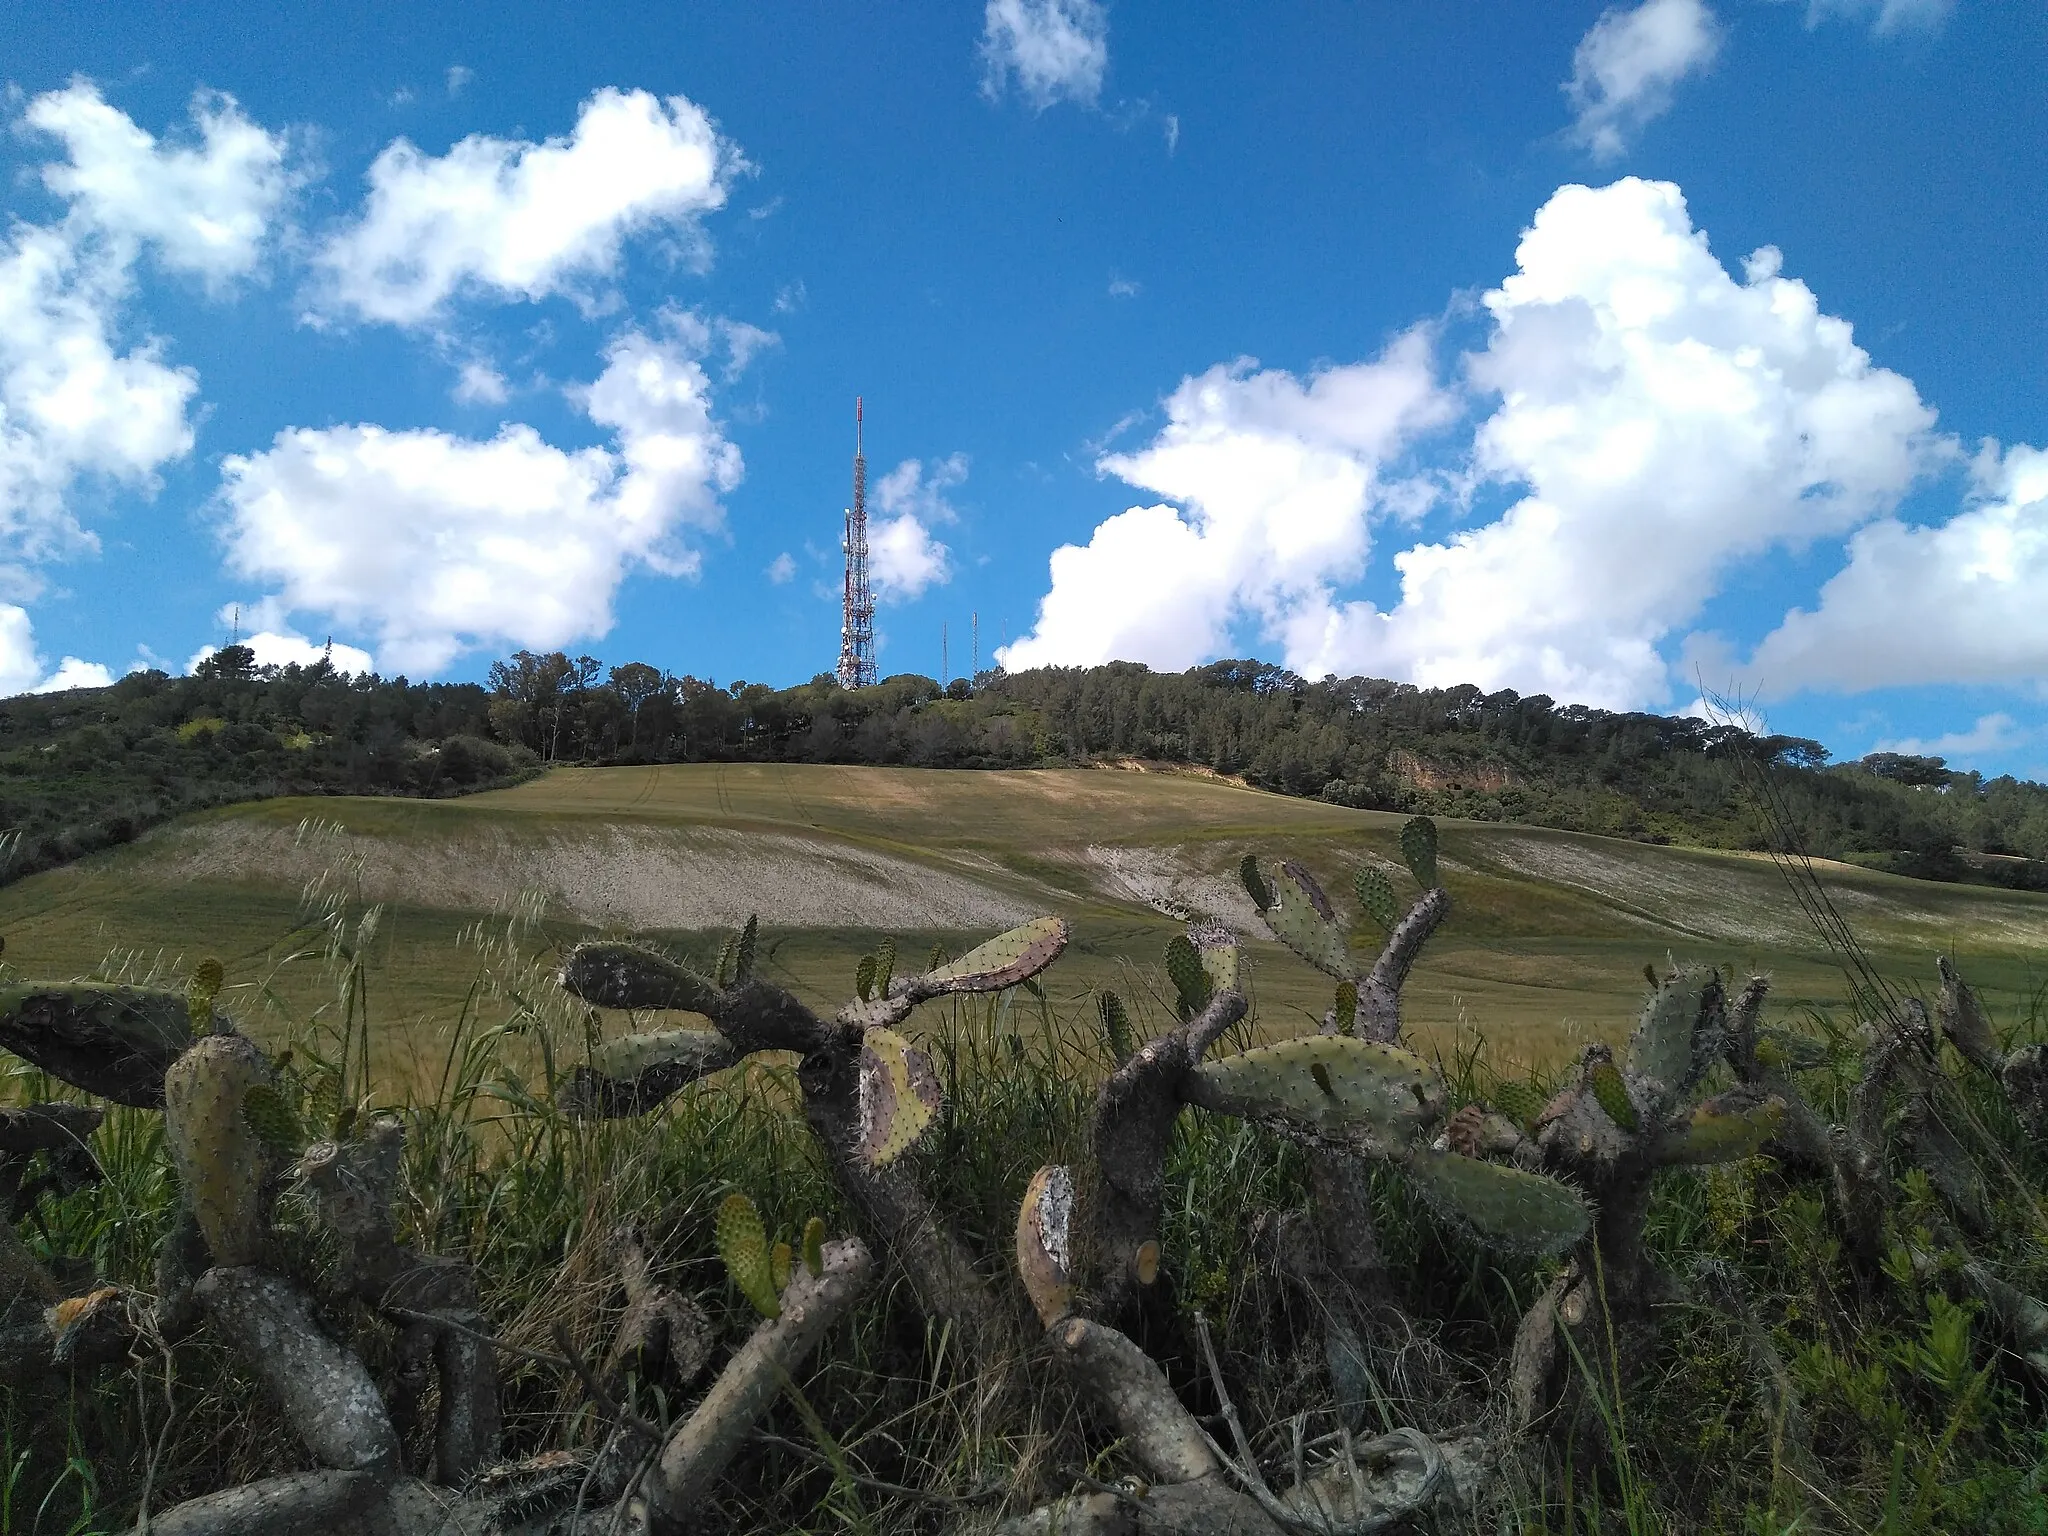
(1783, 1051)
(899, 1096)
(222, 1160)
(629, 1056)
(208, 977)
(1222, 961)
(885, 966)
(1605, 1079)
(743, 1245)
(1679, 1034)
(1255, 883)
(1344, 1010)
(1300, 918)
(275, 1122)
(1505, 1207)
(743, 952)
(1520, 1102)
(1116, 1026)
(1418, 850)
(864, 978)
(779, 1259)
(1331, 1089)
(1376, 897)
(1003, 961)
(1045, 1256)
(814, 1246)
(1184, 970)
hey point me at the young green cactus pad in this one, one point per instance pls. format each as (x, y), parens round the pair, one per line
(275, 1122)
(1116, 1026)
(631, 1056)
(1003, 961)
(779, 1260)
(1418, 850)
(1044, 1242)
(885, 966)
(1662, 1046)
(864, 978)
(1221, 957)
(1255, 883)
(814, 1246)
(208, 977)
(1520, 1102)
(1326, 1088)
(1725, 1129)
(1504, 1207)
(899, 1096)
(1344, 1010)
(1605, 1079)
(743, 954)
(1184, 970)
(627, 976)
(1376, 896)
(743, 1245)
(1783, 1051)
(221, 1160)
(114, 1042)
(1300, 918)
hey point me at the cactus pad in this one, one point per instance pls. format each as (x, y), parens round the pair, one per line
(1300, 918)
(1662, 1046)
(274, 1121)
(1344, 1011)
(899, 1096)
(1725, 1129)
(1254, 883)
(1184, 970)
(885, 966)
(1520, 1102)
(1503, 1207)
(1003, 961)
(743, 1245)
(1326, 1088)
(864, 978)
(1221, 958)
(208, 977)
(1116, 1026)
(1783, 1051)
(630, 1056)
(627, 976)
(744, 951)
(814, 1246)
(1045, 1254)
(1605, 1079)
(1376, 897)
(779, 1259)
(220, 1158)
(114, 1042)
(1418, 850)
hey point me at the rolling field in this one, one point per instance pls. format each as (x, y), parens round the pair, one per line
(1546, 944)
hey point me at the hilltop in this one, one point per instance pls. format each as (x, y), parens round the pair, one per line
(93, 768)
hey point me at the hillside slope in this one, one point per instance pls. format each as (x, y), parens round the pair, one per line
(1547, 940)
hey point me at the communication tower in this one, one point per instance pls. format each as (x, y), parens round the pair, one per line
(857, 625)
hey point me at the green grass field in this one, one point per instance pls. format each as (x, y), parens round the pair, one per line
(1546, 944)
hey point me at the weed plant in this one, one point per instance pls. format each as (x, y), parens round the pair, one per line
(1898, 1410)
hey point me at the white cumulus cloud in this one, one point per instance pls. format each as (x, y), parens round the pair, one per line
(1965, 601)
(1884, 16)
(21, 669)
(1992, 733)
(205, 207)
(1626, 66)
(1277, 476)
(513, 219)
(1665, 421)
(1054, 49)
(903, 557)
(439, 543)
(73, 673)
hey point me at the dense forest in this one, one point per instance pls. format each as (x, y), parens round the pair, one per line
(89, 768)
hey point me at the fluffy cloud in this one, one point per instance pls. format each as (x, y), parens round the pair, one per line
(21, 669)
(1666, 420)
(903, 557)
(205, 207)
(1277, 475)
(782, 569)
(1055, 49)
(439, 543)
(1991, 733)
(519, 220)
(1625, 68)
(1958, 603)
(73, 673)
(75, 403)
(1659, 419)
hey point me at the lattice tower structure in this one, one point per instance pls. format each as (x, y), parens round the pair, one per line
(857, 623)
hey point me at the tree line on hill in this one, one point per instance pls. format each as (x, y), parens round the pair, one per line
(93, 767)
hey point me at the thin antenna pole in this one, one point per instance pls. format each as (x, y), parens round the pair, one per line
(975, 657)
(944, 663)
(857, 622)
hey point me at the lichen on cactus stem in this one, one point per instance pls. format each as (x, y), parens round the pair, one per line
(221, 1158)
(1418, 850)
(743, 1245)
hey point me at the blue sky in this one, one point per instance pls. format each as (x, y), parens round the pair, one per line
(1596, 353)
